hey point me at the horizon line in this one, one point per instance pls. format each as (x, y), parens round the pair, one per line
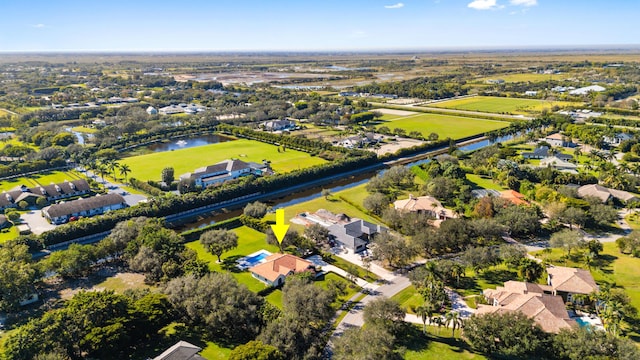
(475, 48)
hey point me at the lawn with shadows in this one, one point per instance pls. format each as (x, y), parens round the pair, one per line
(436, 344)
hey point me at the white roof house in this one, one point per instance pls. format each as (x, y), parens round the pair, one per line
(587, 89)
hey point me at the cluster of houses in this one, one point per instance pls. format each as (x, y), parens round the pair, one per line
(545, 304)
(224, 171)
(279, 125)
(359, 94)
(51, 193)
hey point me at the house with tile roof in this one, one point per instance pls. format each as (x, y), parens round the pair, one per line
(568, 282)
(514, 197)
(558, 164)
(559, 140)
(533, 300)
(424, 204)
(605, 194)
(277, 267)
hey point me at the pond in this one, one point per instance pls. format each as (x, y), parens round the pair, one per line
(185, 143)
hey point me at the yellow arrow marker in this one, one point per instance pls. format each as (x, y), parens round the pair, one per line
(279, 229)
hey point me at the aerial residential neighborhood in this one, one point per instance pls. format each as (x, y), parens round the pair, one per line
(311, 181)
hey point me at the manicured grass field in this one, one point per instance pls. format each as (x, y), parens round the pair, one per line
(484, 182)
(41, 179)
(437, 344)
(455, 127)
(613, 267)
(149, 167)
(84, 129)
(7, 234)
(500, 104)
(249, 241)
(408, 298)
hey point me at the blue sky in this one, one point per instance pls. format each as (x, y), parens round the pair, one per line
(227, 25)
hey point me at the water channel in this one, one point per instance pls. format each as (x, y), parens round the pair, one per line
(315, 192)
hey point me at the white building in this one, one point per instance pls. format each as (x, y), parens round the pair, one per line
(587, 89)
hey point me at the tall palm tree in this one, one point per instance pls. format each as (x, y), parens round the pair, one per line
(425, 312)
(454, 320)
(457, 270)
(124, 171)
(101, 170)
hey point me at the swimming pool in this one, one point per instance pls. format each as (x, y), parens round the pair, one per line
(585, 321)
(253, 259)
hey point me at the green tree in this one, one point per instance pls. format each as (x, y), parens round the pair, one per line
(385, 313)
(368, 343)
(167, 175)
(255, 350)
(256, 210)
(507, 334)
(125, 170)
(17, 275)
(567, 240)
(376, 203)
(219, 241)
(530, 270)
(225, 308)
(453, 320)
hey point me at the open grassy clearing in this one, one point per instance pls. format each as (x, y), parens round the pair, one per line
(500, 105)
(41, 179)
(84, 129)
(438, 343)
(455, 127)
(7, 234)
(149, 167)
(528, 77)
(612, 267)
(483, 182)
(408, 298)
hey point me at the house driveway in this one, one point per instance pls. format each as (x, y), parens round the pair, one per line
(36, 222)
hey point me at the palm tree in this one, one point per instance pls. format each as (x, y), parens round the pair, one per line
(124, 171)
(101, 170)
(454, 320)
(425, 312)
(530, 270)
(457, 270)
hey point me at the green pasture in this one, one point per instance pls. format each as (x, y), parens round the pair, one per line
(45, 178)
(84, 129)
(149, 166)
(446, 126)
(500, 104)
(483, 182)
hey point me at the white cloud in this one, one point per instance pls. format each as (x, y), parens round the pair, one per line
(524, 2)
(38, 26)
(358, 34)
(484, 4)
(395, 6)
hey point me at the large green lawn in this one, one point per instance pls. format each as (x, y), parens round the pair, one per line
(438, 343)
(483, 182)
(249, 241)
(500, 104)
(528, 77)
(149, 167)
(40, 179)
(446, 126)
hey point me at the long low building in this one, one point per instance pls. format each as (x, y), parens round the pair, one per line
(53, 192)
(61, 213)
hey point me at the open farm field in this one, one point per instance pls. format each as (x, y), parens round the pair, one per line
(500, 105)
(149, 167)
(528, 77)
(455, 127)
(40, 179)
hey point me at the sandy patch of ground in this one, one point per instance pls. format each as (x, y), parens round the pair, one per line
(396, 145)
(396, 112)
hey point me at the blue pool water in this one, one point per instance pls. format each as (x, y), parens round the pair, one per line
(256, 259)
(581, 322)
